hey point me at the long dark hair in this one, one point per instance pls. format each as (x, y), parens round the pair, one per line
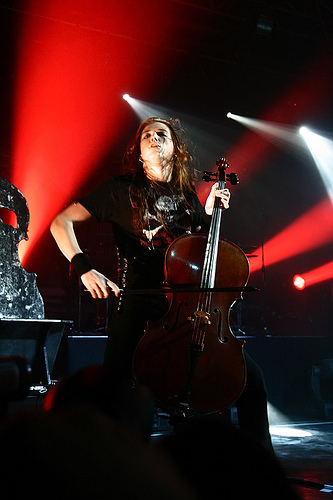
(183, 171)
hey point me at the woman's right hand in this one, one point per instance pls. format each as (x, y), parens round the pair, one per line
(98, 285)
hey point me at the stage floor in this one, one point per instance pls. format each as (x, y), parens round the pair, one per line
(307, 455)
(305, 451)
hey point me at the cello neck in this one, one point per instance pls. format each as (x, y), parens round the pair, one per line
(211, 254)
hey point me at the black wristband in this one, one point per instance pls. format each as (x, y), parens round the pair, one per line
(81, 263)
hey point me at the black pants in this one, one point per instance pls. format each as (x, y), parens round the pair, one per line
(252, 404)
(126, 327)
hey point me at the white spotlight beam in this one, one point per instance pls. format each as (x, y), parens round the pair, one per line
(144, 109)
(321, 149)
(275, 132)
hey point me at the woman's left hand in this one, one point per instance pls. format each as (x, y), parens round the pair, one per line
(224, 194)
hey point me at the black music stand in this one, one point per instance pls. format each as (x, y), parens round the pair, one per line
(37, 340)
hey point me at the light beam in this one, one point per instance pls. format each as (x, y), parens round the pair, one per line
(311, 230)
(317, 275)
(321, 149)
(73, 60)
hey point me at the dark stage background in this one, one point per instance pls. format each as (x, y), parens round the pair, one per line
(267, 60)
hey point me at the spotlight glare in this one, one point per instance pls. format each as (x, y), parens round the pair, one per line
(303, 130)
(317, 275)
(288, 431)
(126, 97)
(299, 282)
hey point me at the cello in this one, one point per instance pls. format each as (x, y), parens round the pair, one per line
(190, 358)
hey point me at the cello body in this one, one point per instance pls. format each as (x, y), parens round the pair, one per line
(191, 357)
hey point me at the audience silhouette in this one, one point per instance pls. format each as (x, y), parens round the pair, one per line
(92, 439)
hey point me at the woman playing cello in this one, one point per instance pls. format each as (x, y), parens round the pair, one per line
(150, 206)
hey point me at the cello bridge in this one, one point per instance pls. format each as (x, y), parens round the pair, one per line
(201, 315)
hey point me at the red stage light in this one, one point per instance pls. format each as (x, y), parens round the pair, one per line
(299, 282)
(322, 273)
(74, 61)
(313, 229)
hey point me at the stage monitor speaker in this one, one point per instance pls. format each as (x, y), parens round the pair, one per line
(37, 340)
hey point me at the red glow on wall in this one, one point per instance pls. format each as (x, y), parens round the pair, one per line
(312, 230)
(322, 273)
(75, 59)
(8, 216)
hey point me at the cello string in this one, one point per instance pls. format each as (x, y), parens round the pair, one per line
(209, 270)
(208, 274)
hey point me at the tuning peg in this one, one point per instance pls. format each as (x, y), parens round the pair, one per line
(209, 176)
(233, 179)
